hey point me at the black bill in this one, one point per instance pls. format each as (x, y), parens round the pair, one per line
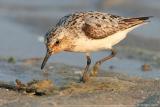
(45, 60)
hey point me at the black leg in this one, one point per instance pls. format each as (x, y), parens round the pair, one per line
(86, 74)
(98, 63)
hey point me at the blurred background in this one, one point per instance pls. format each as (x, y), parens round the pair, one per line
(23, 23)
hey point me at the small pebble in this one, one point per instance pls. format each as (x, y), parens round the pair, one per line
(111, 67)
(11, 60)
(146, 67)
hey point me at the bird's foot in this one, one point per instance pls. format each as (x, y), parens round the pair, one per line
(95, 70)
(85, 77)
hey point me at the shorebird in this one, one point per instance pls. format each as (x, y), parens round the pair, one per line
(88, 32)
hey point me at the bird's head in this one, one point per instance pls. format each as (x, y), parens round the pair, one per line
(56, 41)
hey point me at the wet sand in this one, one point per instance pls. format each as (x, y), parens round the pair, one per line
(108, 89)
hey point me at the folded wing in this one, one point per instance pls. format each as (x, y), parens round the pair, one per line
(99, 28)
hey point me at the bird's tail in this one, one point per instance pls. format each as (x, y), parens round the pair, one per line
(138, 19)
(131, 22)
(144, 19)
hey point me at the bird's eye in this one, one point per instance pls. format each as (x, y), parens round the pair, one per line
(57, 42)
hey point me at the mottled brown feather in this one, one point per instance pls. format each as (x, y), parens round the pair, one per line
(99, 32)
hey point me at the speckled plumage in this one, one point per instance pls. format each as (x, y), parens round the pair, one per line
(89, 31)
(90, 25)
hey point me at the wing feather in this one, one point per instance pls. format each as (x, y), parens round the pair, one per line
(98, 28)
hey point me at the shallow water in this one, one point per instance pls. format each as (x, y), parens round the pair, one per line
(62, 74)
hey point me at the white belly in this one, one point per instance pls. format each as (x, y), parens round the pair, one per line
(91, 45)
(88, 45)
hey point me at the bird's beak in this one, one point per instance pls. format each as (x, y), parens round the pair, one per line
(45, 60)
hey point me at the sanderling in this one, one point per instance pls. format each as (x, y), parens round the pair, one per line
(89, 32)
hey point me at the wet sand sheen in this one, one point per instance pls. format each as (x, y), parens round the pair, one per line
(108, 88)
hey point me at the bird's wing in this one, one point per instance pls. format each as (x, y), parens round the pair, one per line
(99, 28)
